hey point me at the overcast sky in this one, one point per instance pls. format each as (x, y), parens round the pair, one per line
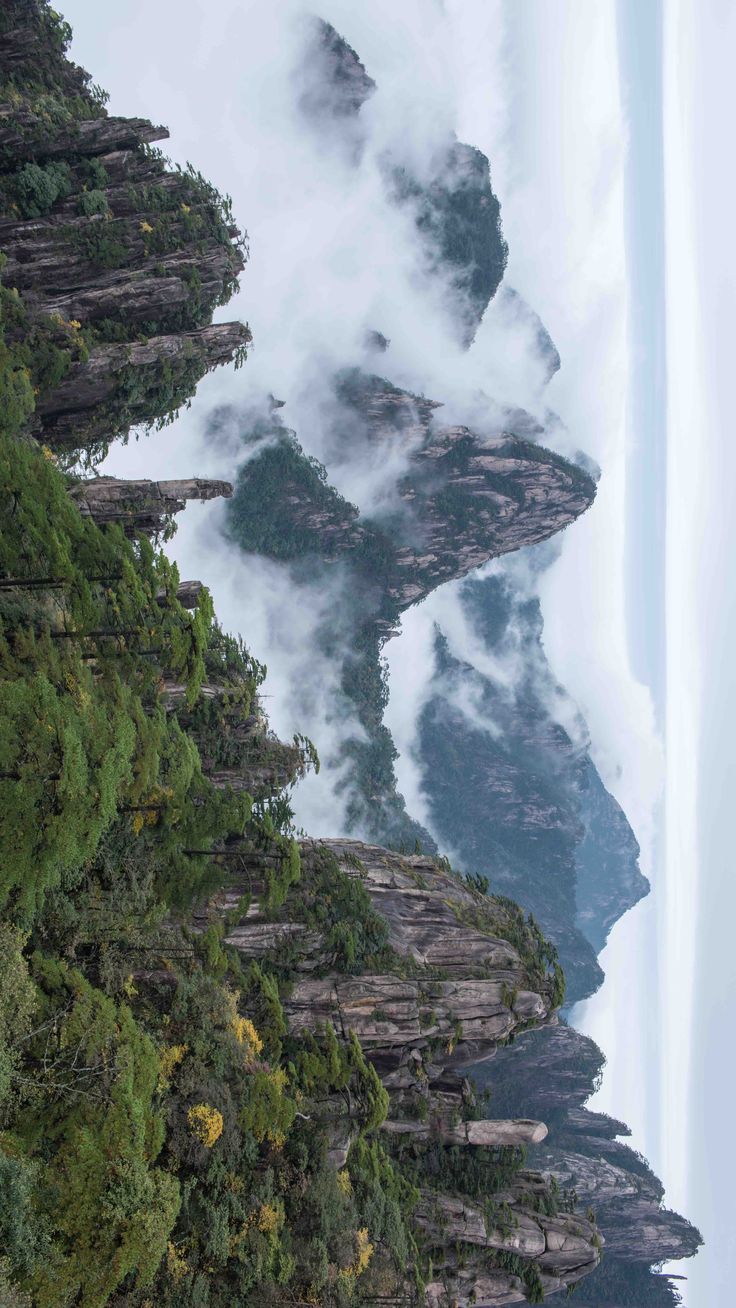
(550, 92)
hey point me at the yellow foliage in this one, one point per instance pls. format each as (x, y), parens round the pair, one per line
(269, 1219)
(129, 989)
(176, 1264)
(146, 227)
(75, 324)
(205, 1123)
(138, 823)
(363, 1255)
(49, 454)
(344, 1184)
(169, 1058)
(186, 208)
(247, 1036)
(363, 1250)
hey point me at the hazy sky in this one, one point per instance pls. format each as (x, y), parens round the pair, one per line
(549, 91)
(700, 105)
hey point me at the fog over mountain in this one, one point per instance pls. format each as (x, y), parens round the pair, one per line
(421, 331)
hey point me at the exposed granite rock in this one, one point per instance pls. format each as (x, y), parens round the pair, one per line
(459, 990)
(144, 506)
(423, 905)
(468, 1017)
(130, 375)
(337, 84)
(550, 1073)
(27, 135)
(463, 499)
(495, 1133)
(544, 1075)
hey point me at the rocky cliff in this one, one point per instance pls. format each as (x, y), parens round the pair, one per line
(552, 1073)
(515, 792)
(377, 978)
(449, 195)
(107, 244)
(454, 976)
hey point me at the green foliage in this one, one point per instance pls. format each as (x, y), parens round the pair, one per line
(17, 1006)
(93, 202)
(91, 1075)
(35, 188)
(340, 908)
(35, 355)
(22, 1232)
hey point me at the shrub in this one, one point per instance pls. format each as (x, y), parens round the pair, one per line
(93, 202)
(36, 189)
(205, 1123)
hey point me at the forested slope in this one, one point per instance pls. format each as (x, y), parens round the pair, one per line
(188, 1115)
(232, 1062)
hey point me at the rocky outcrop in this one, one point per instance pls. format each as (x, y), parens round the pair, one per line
(391, 1016)
(334, 82)
(144, 506)
(462, 500)
(515, 792)
(489, 1133)
(424, 907)
(465, 972)
(468, 971)
(31, 136)
(121, 385)
(552, 1072)
(106, 245)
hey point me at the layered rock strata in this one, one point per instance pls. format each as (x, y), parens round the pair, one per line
(145, 506)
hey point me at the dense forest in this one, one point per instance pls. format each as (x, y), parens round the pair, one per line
(232, 1058)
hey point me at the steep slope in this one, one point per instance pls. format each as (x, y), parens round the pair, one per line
(462, 499)
(455, 211)
(552, 1073)
(527, 807)
(189, 1086)
(119, 260)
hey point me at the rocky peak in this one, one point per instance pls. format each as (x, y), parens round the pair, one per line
(145, 506)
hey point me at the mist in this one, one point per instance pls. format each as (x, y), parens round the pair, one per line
(332, 258)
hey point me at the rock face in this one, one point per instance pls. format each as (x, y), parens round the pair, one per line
(463, 500)
(101, 239)
(145, 506)
(552, 1072)
(119, 385)
(459, 974)
(497, 1134)
(515, 792)
(459, 988)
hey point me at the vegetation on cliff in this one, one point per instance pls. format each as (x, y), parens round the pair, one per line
(170, 1131)
(205, 1022)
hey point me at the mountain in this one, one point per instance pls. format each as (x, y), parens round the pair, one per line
(512, 793)
(456, 213)
(460, 499)
(233, 1061)
(551, 1073)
